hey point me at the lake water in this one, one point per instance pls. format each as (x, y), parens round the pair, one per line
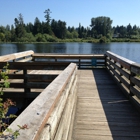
(127, 50)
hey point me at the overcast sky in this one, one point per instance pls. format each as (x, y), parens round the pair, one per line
(73, 12)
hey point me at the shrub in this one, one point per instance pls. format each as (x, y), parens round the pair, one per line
(4, 108)
(103, 39)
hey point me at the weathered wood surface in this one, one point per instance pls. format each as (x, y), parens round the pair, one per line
(35, 65)
(126, 73)
(38, 112)
(135, 68)
(14, 56)
(59, 123)
(70, 56)
(37, 80)
(103, 112)
(82, 60)
(121, 60)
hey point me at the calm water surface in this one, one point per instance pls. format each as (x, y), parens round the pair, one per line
(127, 50)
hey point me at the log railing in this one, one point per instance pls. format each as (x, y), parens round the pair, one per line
(126, 73)
(25, 56)
(29, 80)
(82, 60)
(50, 115)
(17, 57)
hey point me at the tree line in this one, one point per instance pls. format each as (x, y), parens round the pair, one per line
(54, 31)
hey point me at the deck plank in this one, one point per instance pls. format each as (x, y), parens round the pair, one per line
(102, 111)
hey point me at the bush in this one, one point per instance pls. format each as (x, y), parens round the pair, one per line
(103, 39)
(4, 108)
(49, 38)
(40, 38)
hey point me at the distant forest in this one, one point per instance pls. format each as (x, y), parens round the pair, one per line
(99, 30)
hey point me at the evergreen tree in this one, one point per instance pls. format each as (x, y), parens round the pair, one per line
(47, 27)
(20, 29)
(37, 26)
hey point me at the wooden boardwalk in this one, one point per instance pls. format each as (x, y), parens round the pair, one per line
(103, 112)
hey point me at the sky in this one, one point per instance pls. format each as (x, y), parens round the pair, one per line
(73, 12)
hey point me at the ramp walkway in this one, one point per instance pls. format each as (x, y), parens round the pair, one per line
(103, 112)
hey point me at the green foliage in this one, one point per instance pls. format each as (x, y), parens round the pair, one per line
(53, 31)
(2, 37)
(4, 105)
(73, 34)
(39, 38)
(49, 38)
(103, 39)
(47, 16)
(4, 77)
(16, 133)
(45, 38)
(37, 27)
(4, 108)
(28, 37)
(59, 28)
(69, 35)
(20, 29)
(101, 26)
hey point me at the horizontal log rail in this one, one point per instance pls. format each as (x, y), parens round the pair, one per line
(49, 115)
(18, 57)
(35, 65)
(36, 79)
(126, 73)
(29, 79)
(82, 60)
(135, 82)
(25, 56)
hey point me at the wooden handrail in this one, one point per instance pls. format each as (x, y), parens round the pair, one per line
(72, 56)
(15, 56)
(41, 115)
(82, 60)
(119, 59)
(38, 112)
(126, 73)
(135, 80)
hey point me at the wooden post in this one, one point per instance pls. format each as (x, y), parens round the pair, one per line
(131, 83)
(79, 63)
(25, 82)
(120, 73)
(105, 61)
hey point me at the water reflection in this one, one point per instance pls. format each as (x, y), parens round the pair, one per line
(128, 50)
(100, 48)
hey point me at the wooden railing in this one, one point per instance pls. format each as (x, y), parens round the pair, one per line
(126, 73)
(82, 60)
(50, 115)
(17, 57)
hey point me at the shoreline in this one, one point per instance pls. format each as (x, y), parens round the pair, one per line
(80, 41)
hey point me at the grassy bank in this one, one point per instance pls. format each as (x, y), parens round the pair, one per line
(87, 40)
(124, 40)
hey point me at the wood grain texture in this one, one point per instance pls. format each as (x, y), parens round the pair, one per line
(70, 56)
(119, 59)
(38, 112)
(14, 56)
(103, 112)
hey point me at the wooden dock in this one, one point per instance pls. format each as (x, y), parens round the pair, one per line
(103, 112)
(75, 97)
